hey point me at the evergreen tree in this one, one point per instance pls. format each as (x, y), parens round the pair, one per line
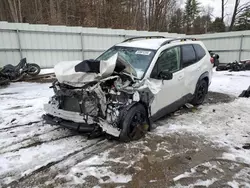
(176, 22)
(217, 26)
(192, 10)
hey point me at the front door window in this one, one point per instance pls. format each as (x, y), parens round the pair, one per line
(169, 60)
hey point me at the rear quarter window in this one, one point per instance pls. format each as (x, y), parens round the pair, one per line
(200, 52)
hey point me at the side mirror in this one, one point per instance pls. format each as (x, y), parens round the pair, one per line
(165, 75)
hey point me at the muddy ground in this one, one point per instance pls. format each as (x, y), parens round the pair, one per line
(155, 161)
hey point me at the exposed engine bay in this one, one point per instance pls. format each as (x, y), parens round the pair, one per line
(98, 93)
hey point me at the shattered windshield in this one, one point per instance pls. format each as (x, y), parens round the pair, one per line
(139, 58)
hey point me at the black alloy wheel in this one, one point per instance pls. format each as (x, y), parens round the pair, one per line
(135, 124)
(200, 93)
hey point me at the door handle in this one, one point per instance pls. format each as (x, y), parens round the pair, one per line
(180, 77)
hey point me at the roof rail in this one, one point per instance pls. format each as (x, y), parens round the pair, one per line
(142, 37)
(176, 39)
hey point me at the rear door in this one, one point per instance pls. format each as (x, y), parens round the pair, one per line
(192, 55)
(172, 90)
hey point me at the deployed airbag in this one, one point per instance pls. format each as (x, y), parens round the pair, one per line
(88, 66)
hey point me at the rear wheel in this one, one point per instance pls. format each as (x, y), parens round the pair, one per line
(135, 124)
(33, 69)
(200, 93)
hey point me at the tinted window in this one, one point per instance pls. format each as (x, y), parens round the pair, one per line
(188, 55)
(200, 52)
(168, 60)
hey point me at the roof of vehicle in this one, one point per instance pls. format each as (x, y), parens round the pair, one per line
(153, 44)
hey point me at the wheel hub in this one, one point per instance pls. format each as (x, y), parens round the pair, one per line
(138, 127)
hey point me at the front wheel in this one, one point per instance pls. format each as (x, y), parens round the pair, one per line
(134, 124)
(200, 93)
(33, 69)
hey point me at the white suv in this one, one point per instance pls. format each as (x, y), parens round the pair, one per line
(129, 86)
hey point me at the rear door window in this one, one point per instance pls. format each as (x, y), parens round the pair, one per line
(188, 55)
(200, 52)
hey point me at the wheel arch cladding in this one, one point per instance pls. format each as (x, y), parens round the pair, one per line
(204, 76)
(147, 108)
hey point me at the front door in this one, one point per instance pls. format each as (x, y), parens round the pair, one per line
(172, 90)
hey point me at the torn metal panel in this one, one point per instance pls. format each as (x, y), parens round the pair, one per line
(53, 110)
(97, 92)
(78, 73)
(102, 98)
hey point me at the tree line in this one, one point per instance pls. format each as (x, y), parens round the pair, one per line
(151, 15)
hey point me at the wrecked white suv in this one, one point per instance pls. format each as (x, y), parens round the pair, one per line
(129, 86)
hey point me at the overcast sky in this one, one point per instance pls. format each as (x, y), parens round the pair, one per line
(216, 5)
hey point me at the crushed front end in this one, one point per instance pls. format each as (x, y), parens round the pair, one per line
(91, 98)
(88, 108)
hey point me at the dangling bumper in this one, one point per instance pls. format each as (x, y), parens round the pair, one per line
(76, 121)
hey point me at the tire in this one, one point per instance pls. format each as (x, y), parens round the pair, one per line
(200, 92)
(134, 124)
(4, 82)
(33, 69)
(243, 94)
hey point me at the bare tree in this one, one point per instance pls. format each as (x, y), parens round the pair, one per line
(125, 14)
(237, 10)
(13, 10)
(222, 9)
(223, 5)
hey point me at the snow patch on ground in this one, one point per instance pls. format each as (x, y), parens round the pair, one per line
(96, 166)
(230, 82)
(202, 183)
(22, 103)
(240, 179)
(225, 124)
(47, 71)
(105, 166)
(32, 158)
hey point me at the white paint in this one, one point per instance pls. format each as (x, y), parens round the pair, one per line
(184, 81)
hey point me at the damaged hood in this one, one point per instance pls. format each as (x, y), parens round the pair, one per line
(77, 73)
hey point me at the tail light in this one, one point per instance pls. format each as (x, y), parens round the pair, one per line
(212, 60)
